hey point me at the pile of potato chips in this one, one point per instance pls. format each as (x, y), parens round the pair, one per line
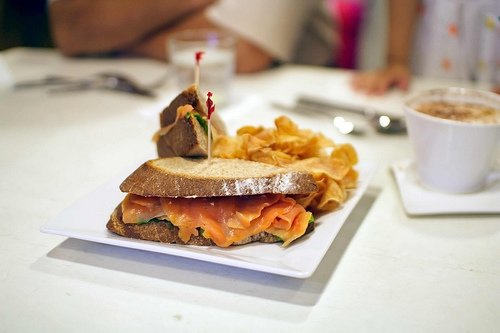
(286, 145)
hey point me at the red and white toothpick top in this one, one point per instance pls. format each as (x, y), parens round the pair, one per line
(210, 109)
(197, 56)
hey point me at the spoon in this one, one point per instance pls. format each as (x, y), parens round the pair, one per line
(381, 122)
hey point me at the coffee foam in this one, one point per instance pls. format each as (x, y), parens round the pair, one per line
(464, 112)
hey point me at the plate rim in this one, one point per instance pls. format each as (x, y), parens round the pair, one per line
(366, 171)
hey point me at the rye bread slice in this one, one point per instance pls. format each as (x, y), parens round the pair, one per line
(188, 177)
(187, 137)
(167, 233)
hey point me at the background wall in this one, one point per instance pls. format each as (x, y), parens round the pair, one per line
(24, 23)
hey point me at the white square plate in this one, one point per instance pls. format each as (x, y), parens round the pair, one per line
(87, 218)
(417, 200)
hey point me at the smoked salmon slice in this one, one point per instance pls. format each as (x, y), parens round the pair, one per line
(225, 220)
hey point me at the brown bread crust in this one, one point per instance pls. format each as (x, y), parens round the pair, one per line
(187, 137)
(186, 177)
(166, 233)
(188, 96)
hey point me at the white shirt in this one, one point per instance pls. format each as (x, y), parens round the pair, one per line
(459, 39)
(277, 26)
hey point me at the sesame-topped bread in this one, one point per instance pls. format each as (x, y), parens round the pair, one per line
(189, 177)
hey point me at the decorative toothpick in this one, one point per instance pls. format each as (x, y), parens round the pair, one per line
(211, 109)
(197, 57)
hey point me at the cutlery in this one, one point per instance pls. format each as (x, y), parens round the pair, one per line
(381, 122)
(104, 80)
(46, 81)
(342, 124)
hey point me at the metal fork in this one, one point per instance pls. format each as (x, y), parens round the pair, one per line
(105, 80)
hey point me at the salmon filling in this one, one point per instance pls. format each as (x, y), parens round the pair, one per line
(224, 220)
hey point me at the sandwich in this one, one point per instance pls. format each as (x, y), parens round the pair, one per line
(216, 202)
(184, 126)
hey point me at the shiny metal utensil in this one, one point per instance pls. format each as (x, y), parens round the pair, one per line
(342, 124)
(122, 83)
(381, 122)
(107, 81)
(348, 126)
(49, 80)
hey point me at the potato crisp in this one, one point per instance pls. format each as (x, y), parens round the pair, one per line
(286, 145)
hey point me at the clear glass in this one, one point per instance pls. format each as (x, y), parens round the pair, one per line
(217, 66)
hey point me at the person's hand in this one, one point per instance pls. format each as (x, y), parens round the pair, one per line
(379, 81)
(496, 89)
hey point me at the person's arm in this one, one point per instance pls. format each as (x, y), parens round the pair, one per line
(402, 18)
(92, 26)
(249, 57)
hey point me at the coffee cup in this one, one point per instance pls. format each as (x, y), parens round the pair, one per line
(217, 65)
(455, 135)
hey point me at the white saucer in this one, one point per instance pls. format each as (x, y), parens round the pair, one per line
(418, 200)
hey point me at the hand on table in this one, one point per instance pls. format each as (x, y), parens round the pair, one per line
(377, 82)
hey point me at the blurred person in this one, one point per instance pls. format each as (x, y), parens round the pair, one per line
(267, 31)
(456, 39)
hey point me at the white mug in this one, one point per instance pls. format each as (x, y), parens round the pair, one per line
(450, 155)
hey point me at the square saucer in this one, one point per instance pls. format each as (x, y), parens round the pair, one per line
(418, 200)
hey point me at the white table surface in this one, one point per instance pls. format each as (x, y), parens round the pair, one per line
(385, 271)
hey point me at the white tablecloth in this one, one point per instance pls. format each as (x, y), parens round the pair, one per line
(384, 272)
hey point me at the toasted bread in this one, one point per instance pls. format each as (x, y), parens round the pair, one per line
(187, 137)
(176, 187)
(189, 177)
